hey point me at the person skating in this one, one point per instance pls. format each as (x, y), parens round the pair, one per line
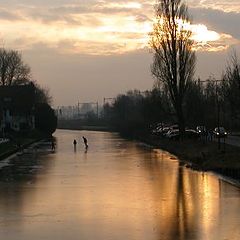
(74, 144)
(85, 142)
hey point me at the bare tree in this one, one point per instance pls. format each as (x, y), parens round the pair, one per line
(231, 90)
(4, 62)
(232, 74)
(174, 58)
(13, 71)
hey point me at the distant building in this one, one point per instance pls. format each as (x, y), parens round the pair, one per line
(17, 107)
(67, 112)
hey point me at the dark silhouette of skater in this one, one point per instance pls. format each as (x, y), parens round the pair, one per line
(53, 145)
(85, 142)
(74, 144)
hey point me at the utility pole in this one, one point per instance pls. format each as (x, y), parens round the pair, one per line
(97, 109)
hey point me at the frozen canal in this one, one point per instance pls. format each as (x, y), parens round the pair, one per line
(118, 190)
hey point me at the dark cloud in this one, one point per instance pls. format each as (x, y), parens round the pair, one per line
(63, 14)
(142, 18)
(43, 3)
(9, 16)
(87, 13)
(76, 9)
(91, 47)
(47, 17)
(217, 20)
(95, 8)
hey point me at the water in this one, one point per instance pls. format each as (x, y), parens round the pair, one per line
(116, 190)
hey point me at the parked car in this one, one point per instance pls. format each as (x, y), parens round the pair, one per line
(174, 127)
(159, 129)
(192, 134)
(189, 133)
(166, 131)
(220, 132)
(173, 134)
(201, 130)
(156, 130)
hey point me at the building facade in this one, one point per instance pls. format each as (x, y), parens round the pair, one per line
(17, 105)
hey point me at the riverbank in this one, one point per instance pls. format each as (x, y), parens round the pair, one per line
(87, 128)
(80, 124)
(18, 142)
(200, 155)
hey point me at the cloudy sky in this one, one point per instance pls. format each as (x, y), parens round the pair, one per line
(84, 50)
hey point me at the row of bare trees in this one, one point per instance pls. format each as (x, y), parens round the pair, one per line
(178, 98)
(207, 103)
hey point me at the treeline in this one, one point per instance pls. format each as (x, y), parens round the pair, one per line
(14, 72)
(209, 103)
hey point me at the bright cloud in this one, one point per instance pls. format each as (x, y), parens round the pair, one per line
(202, 34)
(93, 27)
(127, 5)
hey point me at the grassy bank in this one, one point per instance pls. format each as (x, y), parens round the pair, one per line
(201, 155)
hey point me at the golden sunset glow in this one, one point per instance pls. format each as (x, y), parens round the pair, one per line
(97, 28)
(133, 5)
(121, 34)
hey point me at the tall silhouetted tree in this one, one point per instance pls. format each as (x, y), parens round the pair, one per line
(174, 59)
(13, 71)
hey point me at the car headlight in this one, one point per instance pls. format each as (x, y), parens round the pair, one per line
(217, 133)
